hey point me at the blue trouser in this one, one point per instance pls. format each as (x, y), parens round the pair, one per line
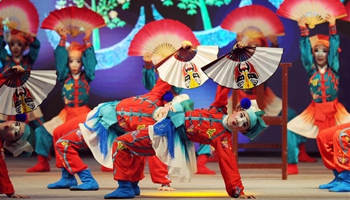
(43, 141)
(293, 141)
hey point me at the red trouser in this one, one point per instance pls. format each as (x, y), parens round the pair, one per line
(6, 186)
(158, 170)
(334, 144)
(129, 160)
(128, 150)
(67, 155)
(70, 126)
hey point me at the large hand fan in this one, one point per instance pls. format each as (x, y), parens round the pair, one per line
(75, 20)
(20, 15)
(347, 8)
(253, 21)
(244, 68)
(23, 92)
(161, 38)
(183, 68)
(313, 10)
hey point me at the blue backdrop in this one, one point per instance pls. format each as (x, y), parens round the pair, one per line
(119, 76)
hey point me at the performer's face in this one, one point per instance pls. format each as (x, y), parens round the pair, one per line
(239, 120)
(320, 53)
(17, 48)
(11, 130)
(75, 65)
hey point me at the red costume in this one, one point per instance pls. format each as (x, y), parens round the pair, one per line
(124, 116)
(334, 146)
(205, 126)
(6, 186)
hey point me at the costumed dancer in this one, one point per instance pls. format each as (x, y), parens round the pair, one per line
(243, 21)
(324, 111)
(334, 145)
(272, 104)
(18, 138)
(177, 131)
(203, 152)
(103, 124)
(18, 42)
(75, 83)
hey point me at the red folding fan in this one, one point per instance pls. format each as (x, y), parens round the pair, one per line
(347, 8)
(75, 20)
(161, 38)
(253, 21)
(313, 10)
(20, 15)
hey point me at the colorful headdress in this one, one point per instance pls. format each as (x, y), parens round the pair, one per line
(75, 50)
(257, 124)
(319, 39)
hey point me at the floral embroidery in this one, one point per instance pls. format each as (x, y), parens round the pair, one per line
(65, 144)
(141, 126)
(224, 142)
(120, 146)
(190, 129)
(210, 132)
(68, 86)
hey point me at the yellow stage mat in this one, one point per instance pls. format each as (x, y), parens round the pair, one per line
(188, 194)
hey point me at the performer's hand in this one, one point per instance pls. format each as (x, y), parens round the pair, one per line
(240, 45)
(18, 196)
(147, 57)
(18, 68)
(239, 37)
(62, 32)
(87, 34)
(186, 44)
(273, 39)
(302, 21)
(164, 111)
(330, 18)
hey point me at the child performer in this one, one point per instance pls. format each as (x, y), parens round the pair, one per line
(17, 137)
(272, 105)
(207, 126)
(325, 111)
(103, 124)
(203, 152)
(334, 145)
(18, 42)
(75, 84)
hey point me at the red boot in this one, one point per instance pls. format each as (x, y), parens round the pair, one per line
(201, 168)
(42, 165)
(292, 169)
(106, 169)
(303, 157)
